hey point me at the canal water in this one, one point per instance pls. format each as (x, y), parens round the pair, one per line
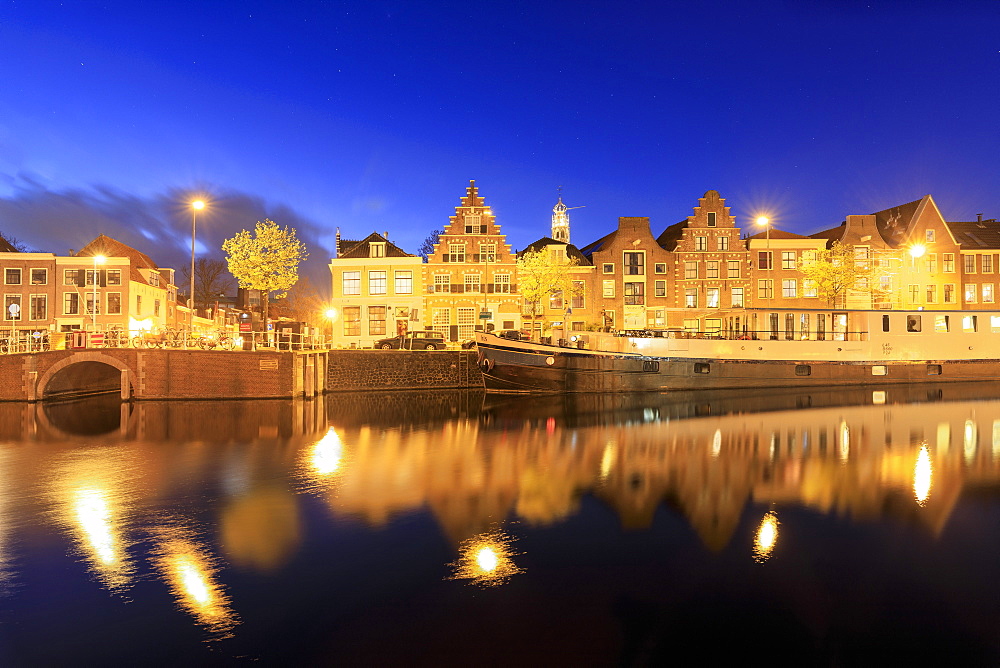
(849, 527)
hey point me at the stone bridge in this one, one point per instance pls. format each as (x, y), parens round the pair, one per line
(144, 374)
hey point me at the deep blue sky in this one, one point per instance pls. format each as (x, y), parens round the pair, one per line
(374, 115)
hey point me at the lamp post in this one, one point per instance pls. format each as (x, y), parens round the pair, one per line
(196, 206)
(98, 259)
(763, 220)
(331, 314)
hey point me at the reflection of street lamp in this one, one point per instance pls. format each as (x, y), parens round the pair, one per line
(196, 206)
(98, 259)
(331, 313)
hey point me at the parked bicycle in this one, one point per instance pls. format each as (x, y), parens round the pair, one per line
(217, 340)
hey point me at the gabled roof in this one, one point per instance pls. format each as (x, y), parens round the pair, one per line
(983, 234)
(595, 246)
(105, 245)
(780, 234)
(669, 237)
(361, 249)
(572, 251)
(894, 223)
(832, 234)
(7, 247)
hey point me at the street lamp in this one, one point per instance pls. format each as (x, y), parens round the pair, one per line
(196, 206)
(763, 220)
(331, 313)
(98, 259)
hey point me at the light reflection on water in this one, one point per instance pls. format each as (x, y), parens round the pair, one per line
(327, 511)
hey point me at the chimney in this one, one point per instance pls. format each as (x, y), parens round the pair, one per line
(979, 217)
(338, 242)
(386, 235)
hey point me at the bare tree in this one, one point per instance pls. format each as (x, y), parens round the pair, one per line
(211, 279)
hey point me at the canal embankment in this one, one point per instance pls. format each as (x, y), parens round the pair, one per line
(358, 370)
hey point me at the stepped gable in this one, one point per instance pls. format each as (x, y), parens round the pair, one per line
(472, 215)
(362, 248)
(572, 251)
(980, 234)
(105, 245)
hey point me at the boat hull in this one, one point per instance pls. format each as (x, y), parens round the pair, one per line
(522, 367)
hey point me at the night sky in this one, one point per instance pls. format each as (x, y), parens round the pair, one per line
(373, 116)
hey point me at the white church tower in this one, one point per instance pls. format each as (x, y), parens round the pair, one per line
(560, 222)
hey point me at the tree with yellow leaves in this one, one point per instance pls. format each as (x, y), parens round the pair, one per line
(267, 260)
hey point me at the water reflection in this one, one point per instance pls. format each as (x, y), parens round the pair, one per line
(189, 570)
(766, 537)
(6, 519)
(922, 476)
(486, 560)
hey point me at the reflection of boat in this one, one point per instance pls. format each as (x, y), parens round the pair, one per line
(859, 348)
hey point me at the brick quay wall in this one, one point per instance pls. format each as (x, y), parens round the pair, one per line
(353, 370)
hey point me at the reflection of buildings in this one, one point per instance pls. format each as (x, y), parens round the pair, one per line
(856, 461)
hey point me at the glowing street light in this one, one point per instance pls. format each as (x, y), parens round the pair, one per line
(196, 206)
(917, 250)
(98, 259)
(331, 314)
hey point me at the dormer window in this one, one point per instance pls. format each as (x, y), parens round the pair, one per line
(154, 279)
(376, 249)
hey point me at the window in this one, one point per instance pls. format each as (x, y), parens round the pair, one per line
(352, 321)
(608, 268)
(723, 243)
(138, 304)
(635, 293)
(609, 288)
(691, 297)
(987, 262)
(764, 260)
(156, 307)
(442, 283)
(93, 308)
(376, 249)
(473, 225)
(660, 289)
(114, 276)
(71, 277)
(39, 276)
(114, 303)
(861, 256)
(711, 218)
(789, 289)
(949, 293)
(913, 323)
(949, 261)
(788, 259)
(712, 297)
(556, 299)
(971, 293)
(38, 307)
(12, 307)
(441, 320)
(352, 282)
(488, 253)
(690, 270)
(809, 288)
(712, 269)
(472, 283)
(404, 282)
(929, 236)
(701, 243)
(737, 297)
(456, 253)
(733, 269)
(932, 294)
(154, 279)
(941, 323)
(660, 268)
(376, 282)
(466, 322)
(634, 264)
(969, 323)
(12, 277)
(914, 291)
(501, 283)
(931, 261)
(376, 320)
(969, 262)
(765, 288)
(576, 301)
(987, 293)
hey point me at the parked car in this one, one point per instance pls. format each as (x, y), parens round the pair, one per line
(419, 340)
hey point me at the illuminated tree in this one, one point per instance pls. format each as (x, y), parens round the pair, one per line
(542, 274)
(837, 270)
(267, 260)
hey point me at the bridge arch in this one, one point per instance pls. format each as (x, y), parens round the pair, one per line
(85, 373)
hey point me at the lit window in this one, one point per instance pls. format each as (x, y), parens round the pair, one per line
(932, 294)
(472, 283)
(737, 297)
(969, 263)
(351, 282)
(733, 269)
(987, 293)
(789, 289)
(949, 293)
(609, 288)
(501, 283)
(39, 276)
(635, 293)
(691, 298)
(38, 307)
(376, 320)
(712, 298)
(456, 252)
(661, 288)
(949, 261)
(971, 293)
(442, 283)
(690, 270)
(809, 288)
(701, 243)
(788, 259)
(723, 243)
(929, 236)
(12, 277)
(712, 269)
(404, 282)
(634, 264)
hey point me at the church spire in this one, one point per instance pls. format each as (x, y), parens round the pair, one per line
(560, 220)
